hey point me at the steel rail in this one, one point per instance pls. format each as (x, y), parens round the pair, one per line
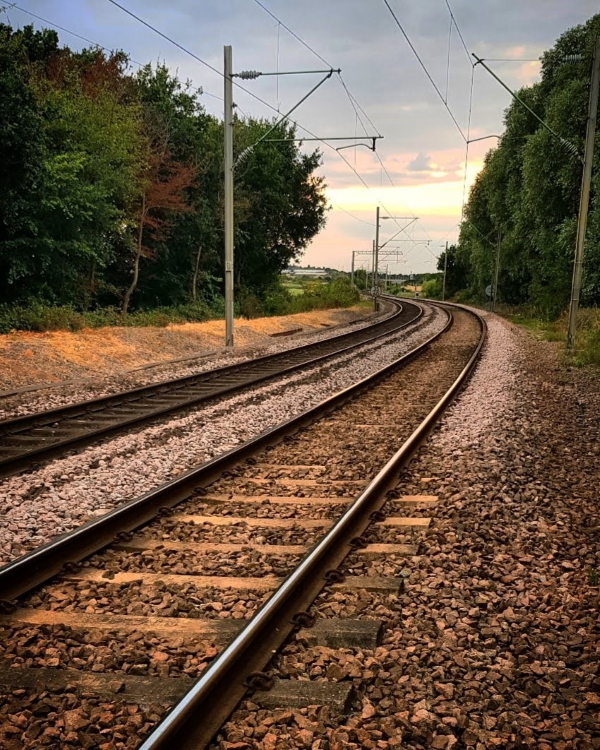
(193, 722)
(13, 427)
(38, 566)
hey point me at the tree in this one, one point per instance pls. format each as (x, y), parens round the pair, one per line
(280, 204)
(163, 188)
(103, 168)
(456, 271)
(87, 154)
(528, 190)
(22, 151)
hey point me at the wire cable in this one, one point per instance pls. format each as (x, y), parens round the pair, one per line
(467, 144)
(453, 20)
(67, 31)
(356, 104)
(220, 98)
(357, 218)
(243, 88)
(448, 60)
(199, 89)
(299, 39)
(352, 99)
(422, 64)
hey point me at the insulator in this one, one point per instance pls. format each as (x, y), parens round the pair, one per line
(570, 147)
(243, 155)
(248, 75)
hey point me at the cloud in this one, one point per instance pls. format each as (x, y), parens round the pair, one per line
(421, 163)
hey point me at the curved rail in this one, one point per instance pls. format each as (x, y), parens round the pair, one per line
(26, 572)
(197, 717)
(39, 436)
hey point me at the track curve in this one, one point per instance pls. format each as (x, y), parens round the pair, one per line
(256, 489)
(36, 437)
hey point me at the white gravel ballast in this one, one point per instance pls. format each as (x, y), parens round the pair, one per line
(55, 396)
(66, 492)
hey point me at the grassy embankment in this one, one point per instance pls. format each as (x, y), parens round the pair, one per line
(587, 348)
(302, 297)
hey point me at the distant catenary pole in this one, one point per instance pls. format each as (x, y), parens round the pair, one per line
(445, 270)
(376, 260)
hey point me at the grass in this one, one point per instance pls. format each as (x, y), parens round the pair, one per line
(40, 318)
(302, 297)
(587, 343)
(294, 289)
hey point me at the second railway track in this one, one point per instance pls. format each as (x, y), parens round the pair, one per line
(98, 653)
(29, 439)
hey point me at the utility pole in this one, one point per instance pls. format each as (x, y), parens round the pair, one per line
(376, 260)
(228, 159)
(445, 270)
(584, 197)
(372, 265)
(230, 165)
(352, 271)
(495, 289)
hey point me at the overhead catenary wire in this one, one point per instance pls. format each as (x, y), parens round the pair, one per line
(150, 26)
(448, 60)
(356, 218)
(293, 33)
(456, 26)
(358, 109)
(218, 72)
(468, 141)
(352, 99)
(67, 31)
(192, 54)
(423, 66)
(200, 89)
(243, 88)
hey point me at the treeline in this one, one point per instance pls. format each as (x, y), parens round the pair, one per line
(527, 195)
(111, 187)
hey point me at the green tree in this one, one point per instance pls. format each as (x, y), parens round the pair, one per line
(280, 204)
(106, 170)
(22, 152)
(528, 191)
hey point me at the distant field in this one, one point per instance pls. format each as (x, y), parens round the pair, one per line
(294, 289)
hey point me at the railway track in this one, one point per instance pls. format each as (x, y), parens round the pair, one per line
(184, 610)
(33, 438)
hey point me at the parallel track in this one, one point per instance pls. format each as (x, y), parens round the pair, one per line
(36, 437)
(376, 411)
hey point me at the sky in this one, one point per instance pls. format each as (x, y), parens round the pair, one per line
(423, 150)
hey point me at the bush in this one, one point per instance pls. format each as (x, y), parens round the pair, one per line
(432, 289)
(41, 318)
(463, 297)
(317, 296)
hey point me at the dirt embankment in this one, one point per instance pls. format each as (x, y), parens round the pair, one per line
(41, 358)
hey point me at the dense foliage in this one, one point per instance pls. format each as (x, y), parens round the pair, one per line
(527, 194)
(111, 188)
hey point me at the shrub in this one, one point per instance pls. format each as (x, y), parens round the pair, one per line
(432, 288)
(317, 296)
(41, 318)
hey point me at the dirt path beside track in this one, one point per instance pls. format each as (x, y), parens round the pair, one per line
(28, 358)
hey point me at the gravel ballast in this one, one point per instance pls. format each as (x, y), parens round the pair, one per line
(179, 575)
(495, 641)
(72, 392)
(66, 492)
